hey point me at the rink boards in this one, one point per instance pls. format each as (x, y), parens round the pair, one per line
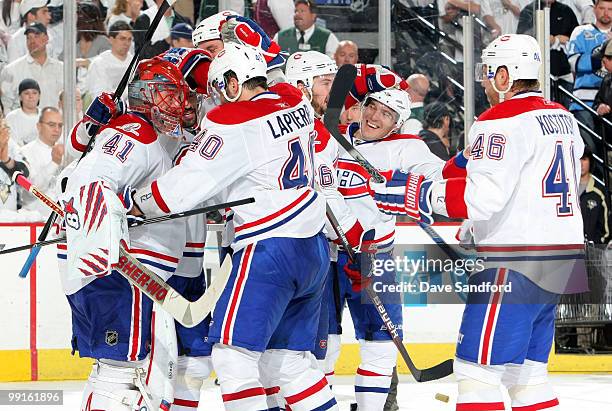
(35, 343)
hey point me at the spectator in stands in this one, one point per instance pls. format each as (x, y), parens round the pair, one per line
(603, 99)
(10, 161)
(91, 33)
(23, 120)
(274, 15)
(436, 128)
(419, 87)
(32, 11)
(592, 202)
(44, 156)
(78, 103)
(106, 70)
(450, 14)
(125, 10)
(346, 53)
(180, 35)
(37, 65)
(560, 32)
(305, 35)
(11, 19)
(582, 42)
(501, 16)
(583, 10)
(161, 38)
(413, 38)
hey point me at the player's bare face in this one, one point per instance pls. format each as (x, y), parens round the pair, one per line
(190, 115)
(211, 46)
(377, 121)
(320, 92)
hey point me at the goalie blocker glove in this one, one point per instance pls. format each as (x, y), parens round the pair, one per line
(405, 194)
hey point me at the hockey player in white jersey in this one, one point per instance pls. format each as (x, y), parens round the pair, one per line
(258, 143)
(313, 73)
(112, 321)
(521, 194)
(378, 139)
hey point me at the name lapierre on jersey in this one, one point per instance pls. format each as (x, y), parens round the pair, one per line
(298, 117)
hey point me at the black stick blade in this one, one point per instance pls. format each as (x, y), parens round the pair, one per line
(343, 82)
(436, 372)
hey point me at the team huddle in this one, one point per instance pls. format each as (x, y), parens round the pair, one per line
(202, 129)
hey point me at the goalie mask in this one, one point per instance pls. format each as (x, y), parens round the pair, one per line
(235, 60)
(397, 101)
(518, 53)
(160, 92)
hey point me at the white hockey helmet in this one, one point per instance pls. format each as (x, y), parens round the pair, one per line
(396, 99)
(208, 29)
(305, 66)
(244, 61)
(519, 53)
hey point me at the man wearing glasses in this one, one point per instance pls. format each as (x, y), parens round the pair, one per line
(44, 157)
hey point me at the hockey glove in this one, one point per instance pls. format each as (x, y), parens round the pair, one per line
(354, 269)
(103, 109)
(356, 237)
(243, 30)
(127, 198)
(372, 78)
(405, 194)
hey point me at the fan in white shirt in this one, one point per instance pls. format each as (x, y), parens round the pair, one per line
(32, 11)
(22, 121)
(106, 69)
(44, 156)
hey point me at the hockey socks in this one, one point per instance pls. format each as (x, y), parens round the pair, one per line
(374, 374)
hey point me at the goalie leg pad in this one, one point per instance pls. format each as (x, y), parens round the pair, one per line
(111, 388)
(374, 373)
(238, 373)
(192, 371)
(301, 383)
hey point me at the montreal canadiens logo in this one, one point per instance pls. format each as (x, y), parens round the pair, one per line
(71, 216)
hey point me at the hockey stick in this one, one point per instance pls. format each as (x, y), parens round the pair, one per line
(94, 129)
(148, 221)
(184, 311)
(57, 210)
(420, 375)
(340, 89)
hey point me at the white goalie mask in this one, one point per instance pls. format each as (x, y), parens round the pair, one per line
(244, 61)
(519, 53)
(303, 67)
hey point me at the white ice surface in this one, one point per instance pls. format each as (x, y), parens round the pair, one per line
(584, 392)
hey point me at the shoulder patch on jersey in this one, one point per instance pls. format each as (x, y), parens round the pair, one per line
(135, 127)
(243, 111)
(514, 107)
(322, 137)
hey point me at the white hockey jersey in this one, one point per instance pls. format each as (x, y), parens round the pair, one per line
(521, 189)
(129, 152)
(396, 152)
(260, 148)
